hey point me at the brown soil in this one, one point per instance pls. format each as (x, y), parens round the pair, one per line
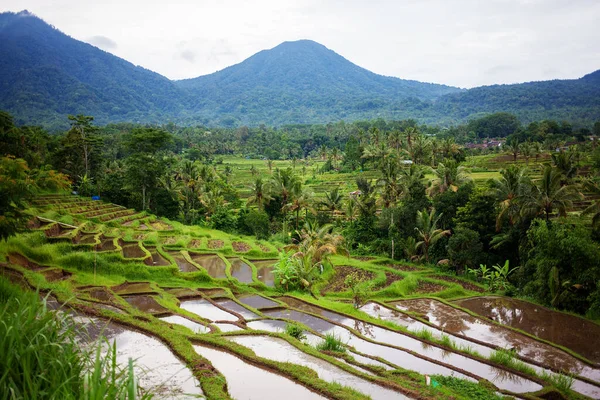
(364, 258)
(337, 283)
(263, 248)
(194, 244)
(55, 274)
(161, 226)
(140, 236)
(389, 279)
(215, 244)
(133, 288)
(464, 284)
(240, 247)
(15, 277)
(428, 287)
(407, 268)
(18, 259)
(169, 240)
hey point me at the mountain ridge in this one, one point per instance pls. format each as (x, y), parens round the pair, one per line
(46, 75)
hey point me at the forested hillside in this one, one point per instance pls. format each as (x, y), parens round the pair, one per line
(46, 75)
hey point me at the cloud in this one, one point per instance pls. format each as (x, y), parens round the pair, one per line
(102, 42)
(188, 55)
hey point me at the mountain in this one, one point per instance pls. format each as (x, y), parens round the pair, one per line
(556, 99)
(46, 75)
(299, 80)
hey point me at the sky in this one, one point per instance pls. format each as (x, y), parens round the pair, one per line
(464, 43)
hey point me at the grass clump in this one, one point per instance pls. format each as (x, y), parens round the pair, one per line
(425, 334)
(560, 381)
(332, 342)
(295, 331)
(40, 357)
(507, 358)
(468, 390)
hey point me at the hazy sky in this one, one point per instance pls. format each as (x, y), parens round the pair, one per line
(463, 43)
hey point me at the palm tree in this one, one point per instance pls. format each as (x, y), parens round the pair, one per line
(302, 201)
(259, 194)
(450, 175)
(333, 200)
(527, 151)
(594, 208)
(420, 151)
(351, 209)
(566, 163)
(270, 165)
(253, 170)
(509, 190)
(549, 194)
(320, 243)
(376, 153)
(286, 185)
(428, 232)
(514, 147)
(390, 182)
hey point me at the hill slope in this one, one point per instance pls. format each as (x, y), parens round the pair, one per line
(300, 81)
(45, 74)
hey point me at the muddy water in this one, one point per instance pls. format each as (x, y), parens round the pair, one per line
(235, 307)
(183, 264)
(155, 366)
(501, 378)
(264, 271)
(212, 263)
(133, 288)
(257, 301)
(453, 320)
(394, 356)
(145, 304)
(280, 350)
(157, 258)
(88, 238)
(240, 270)
(179, 320)
(556, 327)
(269, 325)
(206, 310)
(133, 250)
(106, 244)
(247, 382)
(387, 314)
(182, 292)
(99, 294)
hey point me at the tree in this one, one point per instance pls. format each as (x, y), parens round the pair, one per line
(83, 135)
(549, 195)
(259, 195)
(509, 190)
(465, 249)
(450, 175)
(333, 201)
(286, 185)
(514, 147)
(18, 184)
(593, 209)
(428, 232)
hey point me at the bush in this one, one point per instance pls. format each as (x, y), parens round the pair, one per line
(253, 222)
(224, 220)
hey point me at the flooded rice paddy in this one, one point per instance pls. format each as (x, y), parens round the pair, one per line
(212, 263)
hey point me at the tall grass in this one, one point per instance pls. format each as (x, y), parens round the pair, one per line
(508, 359)
(40, 357)
(332, 343)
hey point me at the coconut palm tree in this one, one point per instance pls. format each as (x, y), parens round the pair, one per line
(285, 184)
(390, 183)
(253, 170)
(509, 191)
(299, 202)
(549, 194)
(260, 194)
(450, 175)
(333, 201)
(428, 231)
(594, 208)
(514, 148)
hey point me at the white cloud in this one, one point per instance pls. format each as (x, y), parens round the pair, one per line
(462, 42)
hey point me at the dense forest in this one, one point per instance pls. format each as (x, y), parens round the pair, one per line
(532, 228)
(46, 75)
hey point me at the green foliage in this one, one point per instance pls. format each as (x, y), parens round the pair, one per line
(359, 288)
(507, 358)
(467, 389)
(465, 249)
(295, 331)
(332, 342)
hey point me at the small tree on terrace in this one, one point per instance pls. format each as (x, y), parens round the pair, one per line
(428, 232)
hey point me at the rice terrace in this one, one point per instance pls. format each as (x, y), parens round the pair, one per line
(294, 226)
